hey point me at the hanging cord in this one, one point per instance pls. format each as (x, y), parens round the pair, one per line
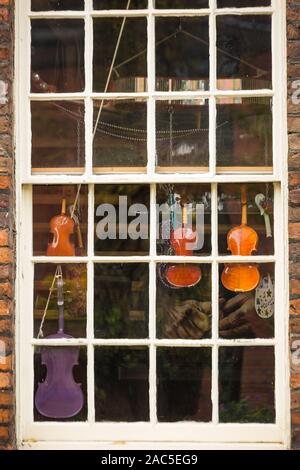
(111, 68)
(57, 274)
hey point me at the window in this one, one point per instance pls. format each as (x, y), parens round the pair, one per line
(123, 108)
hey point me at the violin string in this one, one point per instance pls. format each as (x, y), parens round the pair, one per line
(76, 200)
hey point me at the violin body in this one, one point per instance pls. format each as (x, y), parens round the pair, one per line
(59, 396)
(183, 275)
(62, 227)
(241, 241)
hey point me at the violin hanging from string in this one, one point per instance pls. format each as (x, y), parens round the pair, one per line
(241, 241)
(62, 227)
(59, 396)
(183, 275)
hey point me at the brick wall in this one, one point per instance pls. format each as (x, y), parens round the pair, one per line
(7, 431)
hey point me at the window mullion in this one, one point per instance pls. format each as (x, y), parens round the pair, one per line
(212, 87)
(90, 308)
(152, 306)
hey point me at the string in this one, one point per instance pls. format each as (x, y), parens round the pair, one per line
(41, 333)
(111, 68)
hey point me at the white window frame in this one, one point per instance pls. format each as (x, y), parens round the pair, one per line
(38, 435)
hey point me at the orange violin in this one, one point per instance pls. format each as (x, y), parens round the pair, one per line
(62, 227)
(242, 241)
(183, 275)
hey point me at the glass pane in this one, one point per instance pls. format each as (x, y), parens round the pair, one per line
(258, 214)
(41, 5)
(244, 52)
(119, 4)
(74, 294)
(121, 300)
(122, 220)
(243, 313)
(54, 233)
(130, 65)
(246, 385)
(182, 54)
(243, 3)
(60, 393)
(181, 3)
(58, 137)
(182, 136)
(122, 384)
(244, 134)
(184, 216)
(120, 142)
(183, 312)
(57, 56)
(184, 384)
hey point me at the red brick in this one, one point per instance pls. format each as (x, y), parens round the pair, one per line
(5, 380)
(4, 433)
(7, 365)
(5, 289)
(293, 12)
(294, 179)
(5, 182)
(5, 307)
(5, 416)
(6, 255)
(295, 306)
(294, 231)
(6, 398)
(294, 381)
(4, 237)
(294, 288)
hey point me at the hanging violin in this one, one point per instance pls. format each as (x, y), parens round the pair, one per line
(241, 241)
(59, 396)
(62, 227)
(183, 275)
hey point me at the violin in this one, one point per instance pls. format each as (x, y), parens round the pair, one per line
(62, 227)
(59, 396)
(183, 275)
(242, 241)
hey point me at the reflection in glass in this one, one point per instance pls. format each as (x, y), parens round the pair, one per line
(181, 3)
(57, 136)
(243, 3)
(120, 141)
(184, 384)
(129, 70)
(119, 4)
(244, 134)
(191, 202)
(47, 203)
(182, 135)
(230, 214)
(57, 56)
(41, 5)
(121, 384)
(182, 54)
(79, 375)
(186, 312)
(244, 52)
(248, 314)
(74, 277)
(122, 220)
(121, 300)
(246, 385)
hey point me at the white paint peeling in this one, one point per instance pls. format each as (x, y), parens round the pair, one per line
(3, 92)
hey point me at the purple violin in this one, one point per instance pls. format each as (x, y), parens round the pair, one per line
(59, 396)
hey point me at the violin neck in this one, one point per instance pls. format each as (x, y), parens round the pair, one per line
(244, 204)
(63, 206)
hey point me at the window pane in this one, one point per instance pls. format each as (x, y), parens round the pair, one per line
(184, 214)
(182, 54)
(184, 384)
(244, 134)
(41, 5)
(246, 314)
(57, 56)
(119, 4)
(246, 383)
(120, 142)
(259, 217)
(244, 52)
(122, 384)
(58, 137)
(75, 279)
(121, 300)
(182, 136)
(131, 59)
(181, 3)
(243, 3)
(183, 312)
(56, 234)
(121, 220)
(57, 394)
